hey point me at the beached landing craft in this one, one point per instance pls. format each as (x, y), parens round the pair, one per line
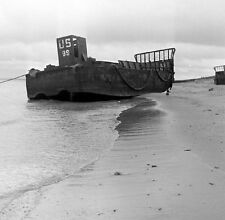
(82, 78)
(219, 75)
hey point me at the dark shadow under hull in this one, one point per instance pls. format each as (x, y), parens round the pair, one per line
(79, 97)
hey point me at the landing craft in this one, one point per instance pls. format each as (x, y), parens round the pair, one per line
(219, 75)
(82, 78)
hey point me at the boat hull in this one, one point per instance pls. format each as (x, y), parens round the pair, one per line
(220, 78)
(97, 80)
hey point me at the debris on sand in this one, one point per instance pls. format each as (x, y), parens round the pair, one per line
(207, 110)
(187, 150)
(100, 213)
(211, 184)
(117, 173)
(153, 166)
(211, 89)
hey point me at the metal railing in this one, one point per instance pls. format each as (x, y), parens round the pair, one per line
(159, 59)
(157, 55)
(220, 68)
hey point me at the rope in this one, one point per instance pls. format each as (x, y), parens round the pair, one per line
(128, 84)
(7, 80)
(145, 84)
(164, 80)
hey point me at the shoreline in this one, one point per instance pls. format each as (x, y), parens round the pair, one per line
(168, 163)
(194, 79)
(15, 204)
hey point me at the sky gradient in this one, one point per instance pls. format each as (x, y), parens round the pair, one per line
(115, 29)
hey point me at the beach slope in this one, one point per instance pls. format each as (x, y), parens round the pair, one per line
(168, 163)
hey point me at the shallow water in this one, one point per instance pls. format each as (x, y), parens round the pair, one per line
(145, 126)
(43, 142)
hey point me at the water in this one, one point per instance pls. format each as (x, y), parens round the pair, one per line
(43, 142)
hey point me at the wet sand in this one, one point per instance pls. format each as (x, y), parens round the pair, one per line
(168, 163)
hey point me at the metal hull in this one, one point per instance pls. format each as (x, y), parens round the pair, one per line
(98, 79)
(79, 77)
(220, 78)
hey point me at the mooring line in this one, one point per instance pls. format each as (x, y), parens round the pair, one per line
(13, 78)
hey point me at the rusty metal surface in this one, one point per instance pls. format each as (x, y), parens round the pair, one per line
(105, 79)
(219, 78)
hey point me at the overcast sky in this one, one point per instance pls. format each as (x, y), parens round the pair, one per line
(115, 29)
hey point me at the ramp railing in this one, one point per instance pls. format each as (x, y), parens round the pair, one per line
(159, 59)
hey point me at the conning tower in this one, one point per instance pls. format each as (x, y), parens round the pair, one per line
(71, 50)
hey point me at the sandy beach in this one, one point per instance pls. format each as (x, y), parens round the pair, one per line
(177, 173)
